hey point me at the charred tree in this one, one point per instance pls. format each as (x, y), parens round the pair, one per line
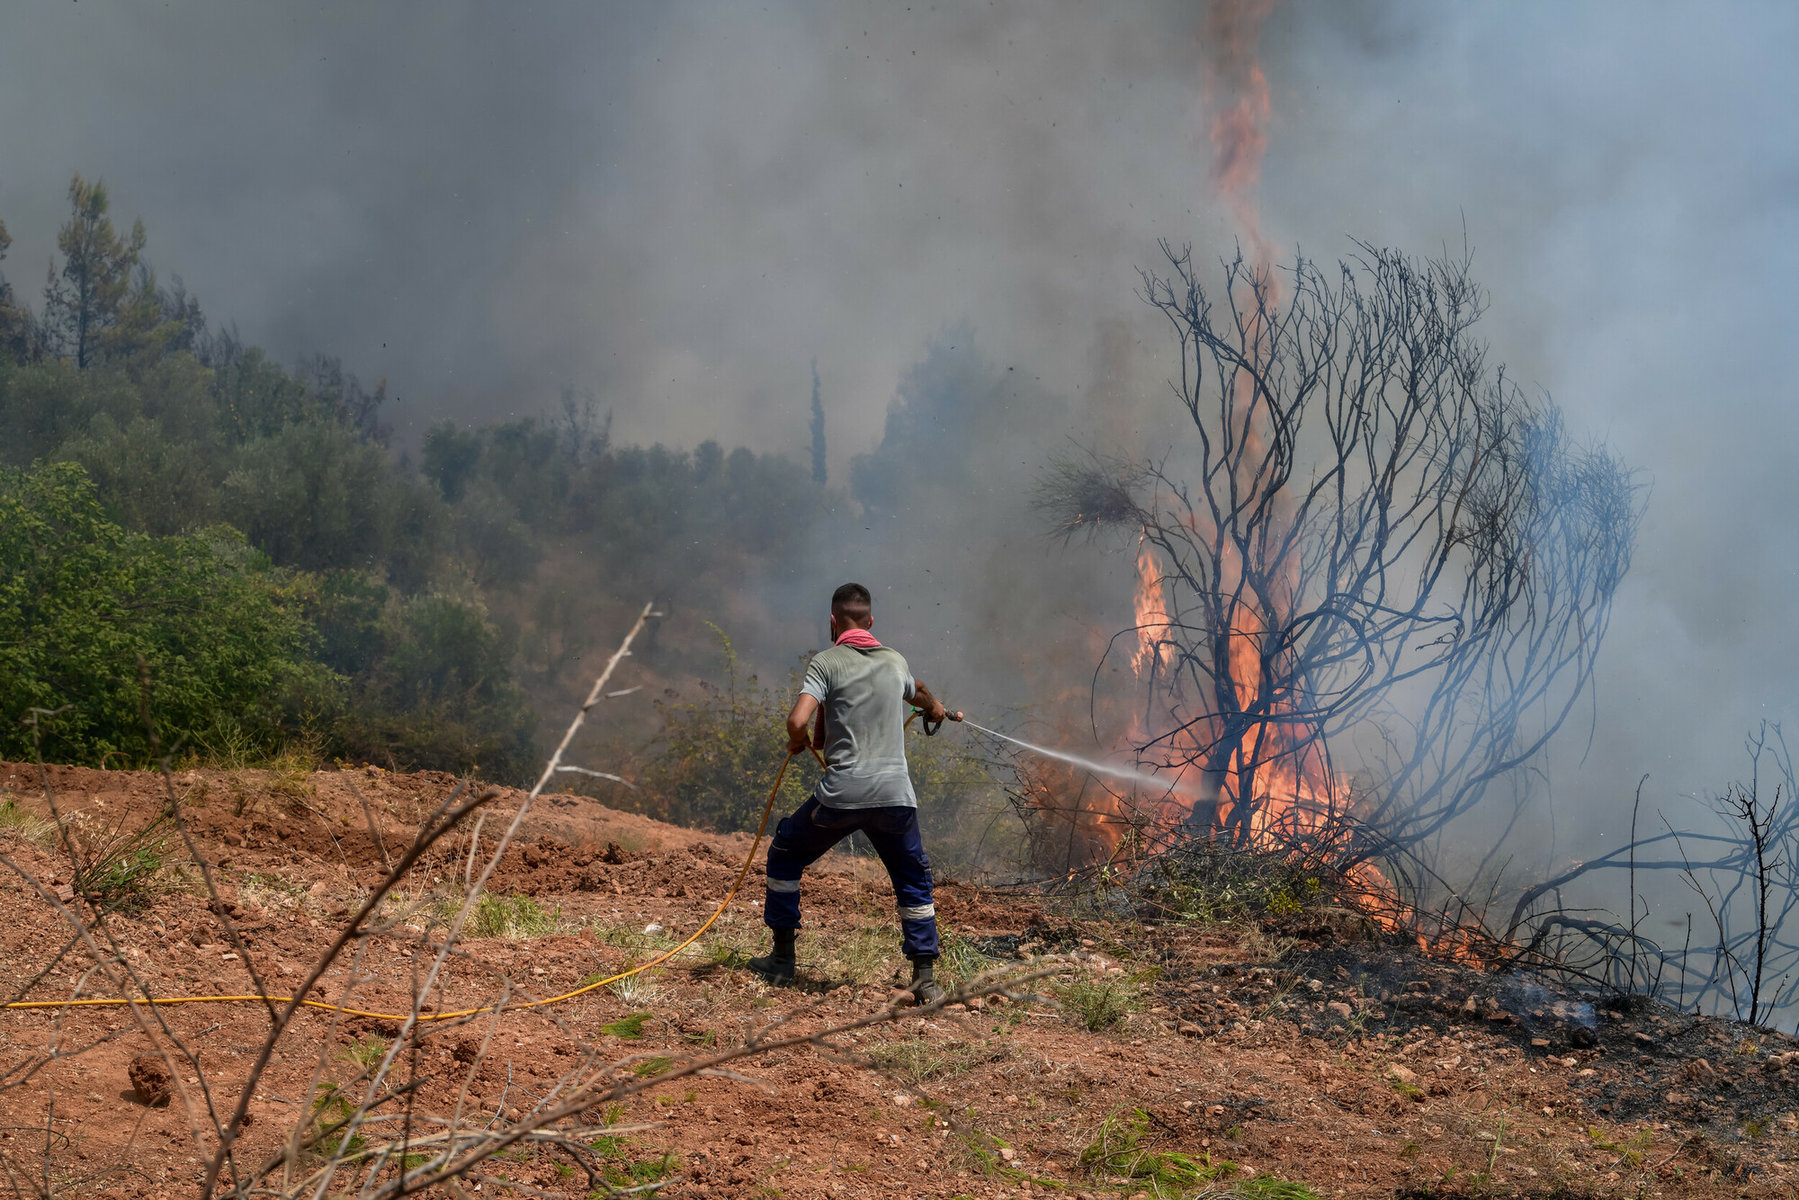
(1378, 573)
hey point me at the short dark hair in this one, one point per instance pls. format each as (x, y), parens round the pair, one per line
(852, 600)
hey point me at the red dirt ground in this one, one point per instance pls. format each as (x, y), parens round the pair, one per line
(1311, 1053)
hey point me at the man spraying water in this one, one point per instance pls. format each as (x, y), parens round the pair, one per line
(858, 690)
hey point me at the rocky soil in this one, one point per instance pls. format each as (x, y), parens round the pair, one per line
(1140, 1061)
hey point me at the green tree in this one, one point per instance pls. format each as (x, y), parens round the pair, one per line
(83, 603)
(254, 397)
(314, 495)
(149, 482)
(84, 302)
(450, 456)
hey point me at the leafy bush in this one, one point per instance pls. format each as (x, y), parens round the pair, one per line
(719, 755)
(435, 689)
(87, 610)
(314, 495)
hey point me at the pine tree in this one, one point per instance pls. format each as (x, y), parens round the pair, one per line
(96, 275)
(818, 431)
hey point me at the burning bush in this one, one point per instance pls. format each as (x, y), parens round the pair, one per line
(1373, 584)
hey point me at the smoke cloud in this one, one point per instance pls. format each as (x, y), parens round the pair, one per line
(679, 207)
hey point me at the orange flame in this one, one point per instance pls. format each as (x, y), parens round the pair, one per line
(1151, 613)
(1236, 91)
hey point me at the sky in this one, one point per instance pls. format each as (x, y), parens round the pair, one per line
(679, 206)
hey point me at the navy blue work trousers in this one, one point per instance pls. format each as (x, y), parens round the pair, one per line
(802, 839)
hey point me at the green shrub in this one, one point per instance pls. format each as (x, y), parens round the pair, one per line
(719, 755)
(367, 1051)
(88, 611)
(331, 1111)
(434, 689)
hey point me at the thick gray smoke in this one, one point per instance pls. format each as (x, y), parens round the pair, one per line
(680, 206)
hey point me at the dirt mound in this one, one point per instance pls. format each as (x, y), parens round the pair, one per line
(1154, 1060)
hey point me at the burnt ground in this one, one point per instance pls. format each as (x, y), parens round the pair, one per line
(1312, 1051)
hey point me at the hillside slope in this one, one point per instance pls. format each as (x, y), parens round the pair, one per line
(1141, 1060)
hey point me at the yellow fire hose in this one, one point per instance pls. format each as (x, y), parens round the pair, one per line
(742, 873)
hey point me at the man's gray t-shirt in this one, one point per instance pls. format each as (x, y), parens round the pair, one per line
(864, 694)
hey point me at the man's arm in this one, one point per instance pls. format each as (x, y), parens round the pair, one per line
(797, 720)
(929, 705)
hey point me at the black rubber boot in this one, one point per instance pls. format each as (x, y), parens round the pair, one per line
(778, 966)
(924, 987)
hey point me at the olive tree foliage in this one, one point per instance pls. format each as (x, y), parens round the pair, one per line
(1383, 565)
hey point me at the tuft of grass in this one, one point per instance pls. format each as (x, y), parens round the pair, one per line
(634, 942)
(291, 771)
(608, 1145)
(961, 962)
(636, 990)
(511, 917)
(652, 1066)
(644, 1172)
(1118, 1150)
(119, 866)
(1631, 1149)
(1100, 1002)
(1267, 1187)
(25, 825)
(916, 1060)
(366, 1051)
(861, 956)
(728, 954)
(630, 1027)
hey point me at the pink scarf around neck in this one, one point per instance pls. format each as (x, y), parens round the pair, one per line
(861, 639)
